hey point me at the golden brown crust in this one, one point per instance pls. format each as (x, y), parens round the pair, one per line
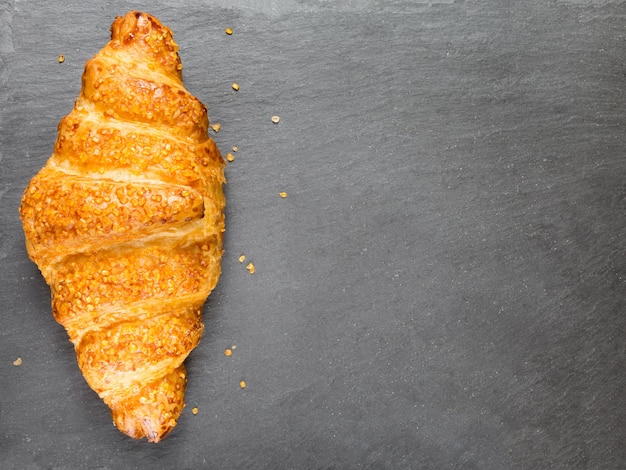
(171, 385)
(125, 222)
(101, 147)
(145, 36)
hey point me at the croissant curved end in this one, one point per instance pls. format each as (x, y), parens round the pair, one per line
(154, 411)
(144, 31)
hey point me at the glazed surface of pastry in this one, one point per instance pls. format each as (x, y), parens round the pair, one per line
(125, 222)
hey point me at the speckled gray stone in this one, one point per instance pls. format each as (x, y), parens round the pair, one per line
(444, 286)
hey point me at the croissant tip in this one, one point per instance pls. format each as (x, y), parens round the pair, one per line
(151, 434)
(136, 23)
(153, 431)
(144, 32)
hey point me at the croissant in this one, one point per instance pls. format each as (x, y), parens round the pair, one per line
(125, 222)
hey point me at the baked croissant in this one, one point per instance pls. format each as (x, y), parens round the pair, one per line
(125, 222)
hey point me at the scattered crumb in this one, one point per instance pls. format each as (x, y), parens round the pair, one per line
(242, 384)
(230, 157)
(61, 58)
(282, 194)
(216, 127)
(17, 362)
(275, 119)
(194, 410)
(235, 149)
(242, 258)
(235, 86)
(228, 31)
(228, 352)
(250, 267)
(233, 347)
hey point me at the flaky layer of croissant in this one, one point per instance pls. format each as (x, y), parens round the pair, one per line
(125, 222)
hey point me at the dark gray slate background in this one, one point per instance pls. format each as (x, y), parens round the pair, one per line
(444, 287)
